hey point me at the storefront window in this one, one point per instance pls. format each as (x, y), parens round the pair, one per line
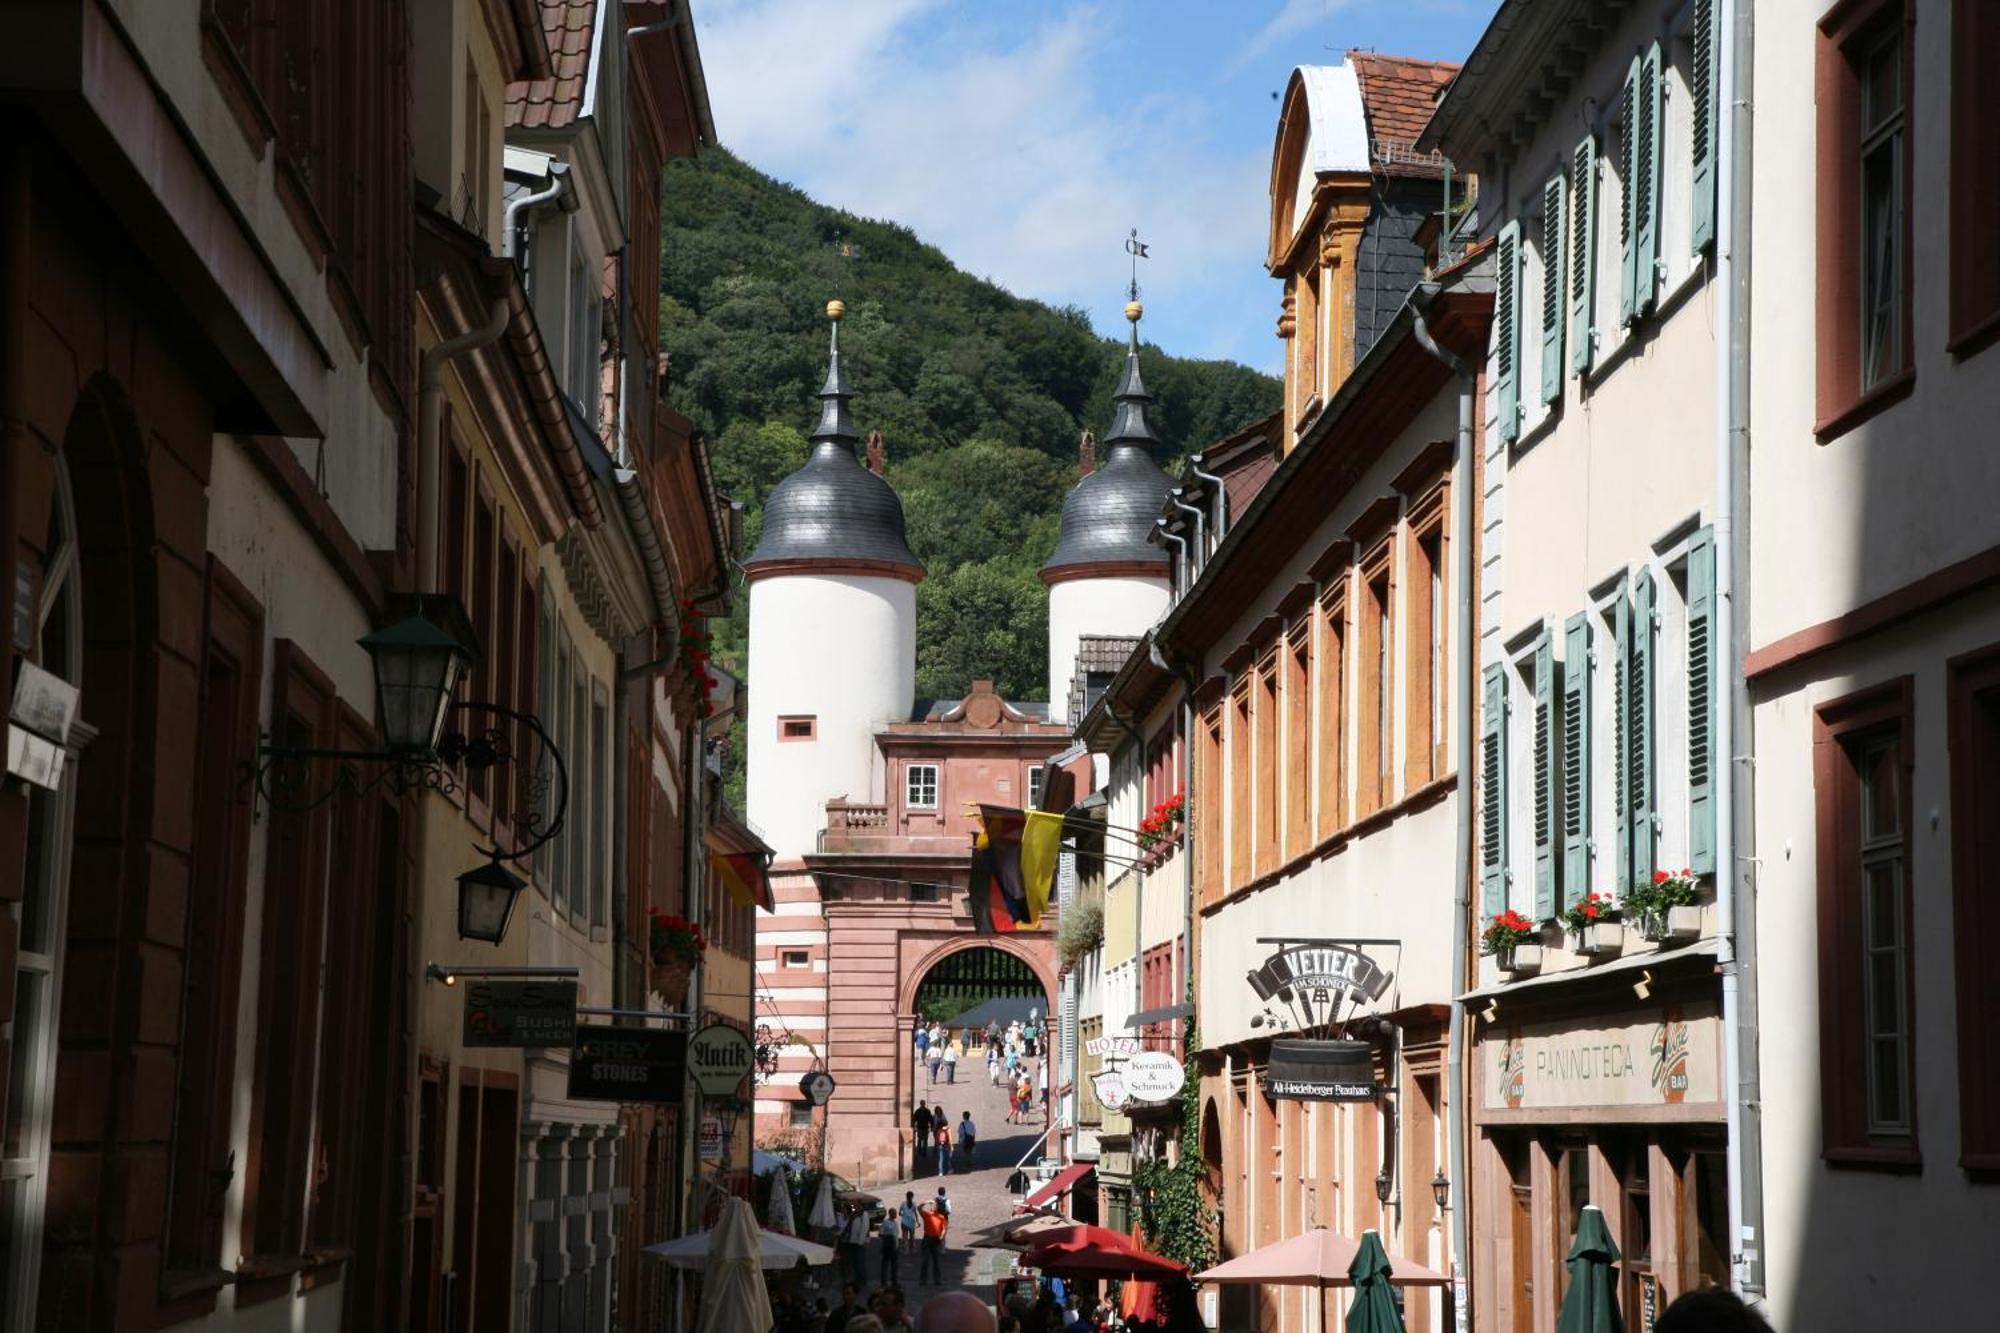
(1635, 1226)
(1708, 1178)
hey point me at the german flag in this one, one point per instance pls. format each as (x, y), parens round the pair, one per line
(744, 875)
(1013, 867)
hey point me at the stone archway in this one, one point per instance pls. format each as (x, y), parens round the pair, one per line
(1041, 961)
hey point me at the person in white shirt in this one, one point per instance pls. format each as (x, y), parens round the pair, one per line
(854, 1240)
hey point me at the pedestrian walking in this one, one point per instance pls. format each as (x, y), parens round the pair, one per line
(968, 1139)
(920, 1130)
(993, 1065)
(941, 1144)
(854, 1246)
(907, 1217)
(923, 1040)
(890, 1232)
(951, 1054)
(936, 1222)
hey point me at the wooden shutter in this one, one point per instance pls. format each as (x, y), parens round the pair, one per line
(1621, 737)
(1583, 254)
(1507, 332)
(1552, 289)
(1548, 782)
(1701, 701)
(1646, 207)
(1702, 122)
(1576, 758)
(1493, 793)
(1628, 238)
(1639, 752)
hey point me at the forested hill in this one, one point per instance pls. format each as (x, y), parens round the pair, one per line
(980, 396)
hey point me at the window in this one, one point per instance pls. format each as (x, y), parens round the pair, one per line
(1265, 797)
(1549, 258)
(1577, 765)
(800, 1115)
(1507, 333)
(1332, 689)
(1208, 803)
(796, 958)
(1975, 177)
(921, 892)
(1975, 889)
(798, 728)
(1035, 775)
(1426, 488)
(1239, 783)
(1493, 791)
(1863, 182)
(921, 786)
(1639, 107)
(1541, 721)
(1861, 771)
(1298, 738)
(1374, 786)
(1581, 273)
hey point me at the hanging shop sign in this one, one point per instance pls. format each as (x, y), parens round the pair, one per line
(1326, 971)
(610, 1064)
(1153, 1076)
(1110, 1085)
(720, 1055)
(1668, 1057)
(1111, 1046)
(817, 1087)
(1321, 1071)
(520, 1013)
(38, 723)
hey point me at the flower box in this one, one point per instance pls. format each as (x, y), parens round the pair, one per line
(1676, 925)
(671, 981)
(1600, 939)
(1521, 958)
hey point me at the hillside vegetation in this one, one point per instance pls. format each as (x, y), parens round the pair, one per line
(980, 396)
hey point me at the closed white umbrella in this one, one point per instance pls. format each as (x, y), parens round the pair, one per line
(733, 1299)
(773, 1250)
(822, 1214)
(778, 1217)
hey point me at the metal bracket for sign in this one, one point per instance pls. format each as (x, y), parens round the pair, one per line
(636, 1013)
(1334, 939)
(449, 974)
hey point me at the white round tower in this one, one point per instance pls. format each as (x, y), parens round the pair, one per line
(1106, 576)
(833, 630)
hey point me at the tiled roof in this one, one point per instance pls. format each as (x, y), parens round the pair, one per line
(1398, 95)
(554, 103)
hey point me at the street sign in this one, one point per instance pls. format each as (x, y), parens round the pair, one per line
(1153, 1076)
(817, 1087)
(610, 1064)
(721, 1056)
(520, 1013)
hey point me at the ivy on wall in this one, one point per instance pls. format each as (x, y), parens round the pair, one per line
(1179, 1222)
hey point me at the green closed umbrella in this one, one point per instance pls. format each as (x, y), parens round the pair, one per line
(1373, 1309)
(1591, 1304)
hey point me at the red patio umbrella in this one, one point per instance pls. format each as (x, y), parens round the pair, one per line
(1088, 1251)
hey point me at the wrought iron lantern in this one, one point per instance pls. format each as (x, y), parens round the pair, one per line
(1384, 1186)
(486, 897)
(419, 664)
(1441, 1190)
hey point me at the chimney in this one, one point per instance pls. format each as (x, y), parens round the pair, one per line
(1086, 454)
(875, 456)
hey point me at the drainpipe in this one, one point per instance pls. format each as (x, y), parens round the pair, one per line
(1186, 676)
(1138, 876)
(1180, 556)
(1736, 864)
(1198, 552)
(1463, 637)
(1219, 497)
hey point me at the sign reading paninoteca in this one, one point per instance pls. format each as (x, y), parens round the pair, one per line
(610, 1064)
(520, 1013)
(1321, 1071)
(721, 1056)
(1668, 1057)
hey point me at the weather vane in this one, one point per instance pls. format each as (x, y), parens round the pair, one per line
(1137, 249)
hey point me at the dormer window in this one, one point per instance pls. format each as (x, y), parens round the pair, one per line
(920, 790)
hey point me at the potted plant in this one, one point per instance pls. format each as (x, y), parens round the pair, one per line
(1514, 941)
(1593, 925)
(675, 946)
(1163, 824)
(1667, 909)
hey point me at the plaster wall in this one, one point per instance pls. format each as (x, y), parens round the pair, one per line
(841, 648)
(1120, 606)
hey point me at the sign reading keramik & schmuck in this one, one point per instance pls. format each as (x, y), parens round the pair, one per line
(610, 1064)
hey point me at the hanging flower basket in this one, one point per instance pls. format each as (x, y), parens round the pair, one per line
(675, 945)
(1674, 925)
(671, 981)
(1514, 941)
(1600, 939)
(1520, 959)
(1668, 909)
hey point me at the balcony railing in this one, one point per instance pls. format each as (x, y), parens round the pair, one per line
(853, 815)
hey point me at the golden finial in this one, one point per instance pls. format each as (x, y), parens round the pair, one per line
(1133, 310)
(835, 309)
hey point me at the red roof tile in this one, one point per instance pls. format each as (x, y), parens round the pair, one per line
(555, 102)
(1398, 95)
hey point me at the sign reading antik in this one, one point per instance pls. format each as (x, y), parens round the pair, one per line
(520, 1013)
(610, 1064)
(1321, 1071)
(721, 1056)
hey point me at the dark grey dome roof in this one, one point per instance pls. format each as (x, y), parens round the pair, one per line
(833, 508)
(1108, 516)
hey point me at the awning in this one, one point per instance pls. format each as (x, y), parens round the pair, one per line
(1064, 1180)
(1165, 1013)
(1662, 958)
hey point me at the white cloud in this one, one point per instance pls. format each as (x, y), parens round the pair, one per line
(1293, 19)
(1018, 149)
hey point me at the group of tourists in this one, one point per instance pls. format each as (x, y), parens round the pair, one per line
(939, 1051)
(934, 1138)
(905, 1228)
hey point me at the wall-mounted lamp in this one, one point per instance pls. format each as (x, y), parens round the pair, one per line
(1441, 1191)
(486, 897)
(1383, 1185)
(1643, 987)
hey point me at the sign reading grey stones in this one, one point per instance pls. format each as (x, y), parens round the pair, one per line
(721, 1055)
(610, 1064)
(1321, 1071)
(520, 1013)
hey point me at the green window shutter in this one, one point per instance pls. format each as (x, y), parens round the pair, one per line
(1507, 331)
(1576, 758)
(1552, 289)
(1583, 254)
(1701, 702)
(1646, 207)
(1493, 793)
(1548, 783)
(1703, 123)
(1639, 784)
(1628, 171)
(1621, 737)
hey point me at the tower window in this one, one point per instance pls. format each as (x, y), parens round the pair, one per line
(798, 728)
(796, 958)
(1035, 787)
(921, 786)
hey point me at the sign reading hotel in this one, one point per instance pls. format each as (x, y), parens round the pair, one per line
(1669, 1056)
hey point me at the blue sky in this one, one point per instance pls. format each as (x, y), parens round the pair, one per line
(1025, 138)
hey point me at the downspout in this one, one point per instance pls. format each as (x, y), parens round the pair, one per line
(1186, 676)
(1220, 499)
(1736, 863)
(1198, 552)
(1180, 556)
(1463, 636)
(1138, 875)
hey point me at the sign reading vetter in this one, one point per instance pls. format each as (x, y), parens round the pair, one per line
(721, 1056)
(1321, 1071)
(520, 1013)
(1332, 968)
(610, 1064)
(1151, 1076)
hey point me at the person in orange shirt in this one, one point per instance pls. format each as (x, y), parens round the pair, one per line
(935, 1224)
